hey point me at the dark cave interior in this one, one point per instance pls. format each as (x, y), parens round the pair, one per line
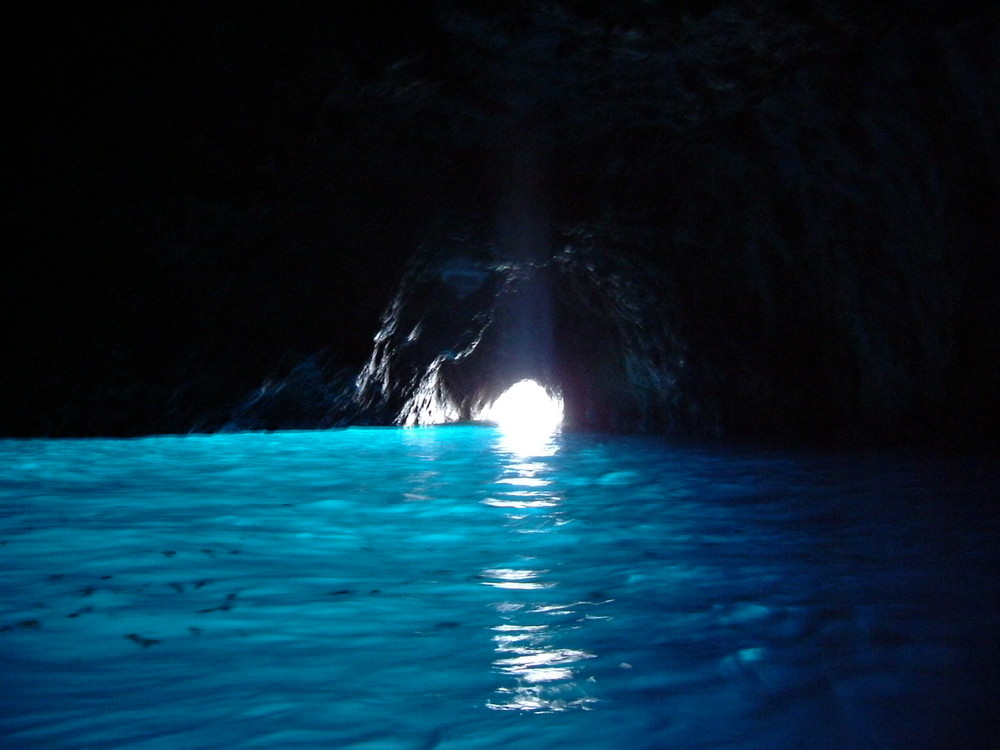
(765, 220)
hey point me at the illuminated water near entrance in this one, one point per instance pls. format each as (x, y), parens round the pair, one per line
(446, 588)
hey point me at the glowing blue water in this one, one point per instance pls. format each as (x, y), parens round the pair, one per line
(433, 588)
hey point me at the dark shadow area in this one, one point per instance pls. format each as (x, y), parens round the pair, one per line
(752, 220)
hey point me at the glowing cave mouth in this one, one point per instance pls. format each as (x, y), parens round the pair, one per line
(525, 406)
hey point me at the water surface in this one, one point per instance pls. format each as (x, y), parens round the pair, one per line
(453, 588)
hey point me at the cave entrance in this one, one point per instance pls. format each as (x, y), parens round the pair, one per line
(525, 406)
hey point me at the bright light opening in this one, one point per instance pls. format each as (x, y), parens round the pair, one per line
(525, 406)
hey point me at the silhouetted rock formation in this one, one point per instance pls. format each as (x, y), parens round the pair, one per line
(582, 322)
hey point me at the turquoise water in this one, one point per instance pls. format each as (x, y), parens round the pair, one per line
(452, 588)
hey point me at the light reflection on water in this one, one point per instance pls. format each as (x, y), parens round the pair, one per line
(544, 677)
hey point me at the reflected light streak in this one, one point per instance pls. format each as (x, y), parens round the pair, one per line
(524, 585)
(513, 574)
(524, 481)
(531, 699)
(498, 503)
(531, 659)
(528, 442)
(545, 677)
(510, 578)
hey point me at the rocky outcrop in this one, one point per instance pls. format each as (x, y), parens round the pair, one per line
(583, 322)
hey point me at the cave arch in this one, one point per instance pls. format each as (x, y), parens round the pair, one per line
(584, 322)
